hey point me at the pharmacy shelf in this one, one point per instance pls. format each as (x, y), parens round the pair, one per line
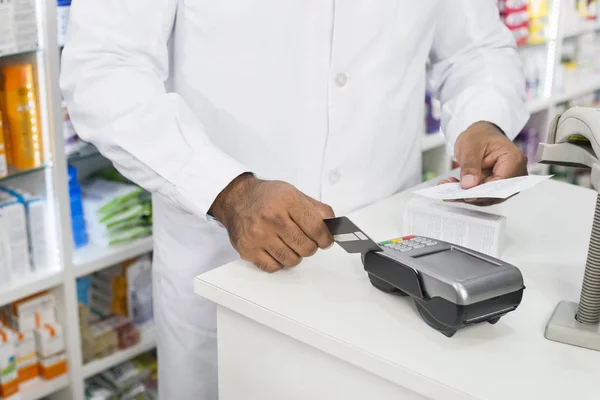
(588, 85)
(147, 343)
(538, 105)
(15, 172)
(432, 141)
(584, 29)
(19, 53)
(92, 258)
(34, 283)
(38, 389)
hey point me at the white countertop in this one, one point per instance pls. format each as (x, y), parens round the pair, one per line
(329, 303)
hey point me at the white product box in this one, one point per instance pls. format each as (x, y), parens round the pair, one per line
(49, 340)
(18, 26)
(476, 230)
(29, 314)
(37, 226)
(13, 226)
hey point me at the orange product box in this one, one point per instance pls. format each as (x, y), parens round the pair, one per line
(22, 114)
(9, 382)
(4, 128)
(3, 161)
(49, 340)
(54, 366)
(27, 359)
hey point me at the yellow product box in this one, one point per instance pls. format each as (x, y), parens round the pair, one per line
(49, 340)
(22, 115)
(4, 127)
(53, 366)
(9, 377)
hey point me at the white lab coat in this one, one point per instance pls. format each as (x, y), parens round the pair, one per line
(184, 95)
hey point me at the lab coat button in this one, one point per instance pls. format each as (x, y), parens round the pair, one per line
(341, 79)
(335, 176)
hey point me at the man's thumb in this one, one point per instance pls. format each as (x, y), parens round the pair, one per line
(325, 210)
(470, 167)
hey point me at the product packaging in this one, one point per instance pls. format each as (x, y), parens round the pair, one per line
(18, 26)
(37, 226)
(515, 15)
(9, 377)
(53, 366)
(27, 359)
(62, 20)
(49, 339)
(22, 115)
(78, 225)
(139, 290)
(3, 160)
(13, 228)
(32, 312)
(4, 129)
(115, 212)
(477, 230)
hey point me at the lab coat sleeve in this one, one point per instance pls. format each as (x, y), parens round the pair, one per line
(114, 68)
(476, 70)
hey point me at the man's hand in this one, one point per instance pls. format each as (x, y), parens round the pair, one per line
(485, 154)
(270, 223)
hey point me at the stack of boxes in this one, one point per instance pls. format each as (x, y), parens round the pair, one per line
(24, 236)
(36, 226)
(32, 343)
(78, 224)
(113, 305)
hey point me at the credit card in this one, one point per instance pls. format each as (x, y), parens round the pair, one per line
(349, 236)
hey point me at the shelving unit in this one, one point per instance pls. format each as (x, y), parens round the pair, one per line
(39, 389)
(147, 343)
(90, 258)
(74, 263)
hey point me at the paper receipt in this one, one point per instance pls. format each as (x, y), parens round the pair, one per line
(501, 189)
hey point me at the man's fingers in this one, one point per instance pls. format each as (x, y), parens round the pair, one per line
(471, 161)
(310, 220)
(325, 210)
(266, 262)
(297, 240)
(282, 253)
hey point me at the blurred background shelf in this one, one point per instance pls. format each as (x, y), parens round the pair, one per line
(39, 389)
(147, 343)
(432, 141)
(15, 172)
(34, 283)
(92, 258)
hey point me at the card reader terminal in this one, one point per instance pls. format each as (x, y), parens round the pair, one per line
(452, 286)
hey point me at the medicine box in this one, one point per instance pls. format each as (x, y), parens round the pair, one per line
(53, 366)
(473, 229)
(32, 312)
(13, 228)
(9, 378)
(37, 225)
(18, 26)
(27, 359)
(49, 340)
